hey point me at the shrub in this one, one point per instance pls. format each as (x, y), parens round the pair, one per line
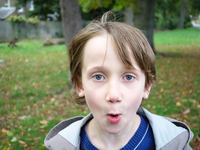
(16, 19)
(33, 20)
(20, 19)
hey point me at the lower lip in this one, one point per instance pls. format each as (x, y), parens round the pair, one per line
(114, 119)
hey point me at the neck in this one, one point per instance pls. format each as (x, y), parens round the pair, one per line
(102, 139)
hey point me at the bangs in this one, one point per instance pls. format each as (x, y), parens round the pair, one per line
(124, 43)
(122, 49)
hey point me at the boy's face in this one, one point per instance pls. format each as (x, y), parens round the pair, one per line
(113, 92)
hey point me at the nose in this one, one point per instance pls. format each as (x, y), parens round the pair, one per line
(113, 92)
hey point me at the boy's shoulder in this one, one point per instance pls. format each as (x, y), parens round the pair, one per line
(66, 133)
(168, 133)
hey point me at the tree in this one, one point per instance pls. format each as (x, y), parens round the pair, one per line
(144, 19)
(72, 22)
(128, 18)
(71, 19)
(182, 14)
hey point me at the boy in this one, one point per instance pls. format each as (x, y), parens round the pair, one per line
(112, 69)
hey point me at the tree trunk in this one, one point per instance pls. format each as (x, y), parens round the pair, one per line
(71, 19)
(72, 23)
(144, 19)
(182, 14)
(128, 19)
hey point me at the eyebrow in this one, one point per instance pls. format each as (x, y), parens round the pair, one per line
(104, 69)
(134, 69)
(131, 68)
(96, 68)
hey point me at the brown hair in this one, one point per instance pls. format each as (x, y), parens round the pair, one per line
(123, 36)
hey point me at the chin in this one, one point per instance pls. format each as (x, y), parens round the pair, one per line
(113, 129)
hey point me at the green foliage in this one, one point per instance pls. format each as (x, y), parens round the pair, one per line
(159, 21)
(195, 7)
(92, 9)
(120, 4)
(41, 8)
(187, 22)
(172, 22)
(167, 13)
(88, 5)
(93, 14)
(19, 19)
(16, 19)
(33, 20)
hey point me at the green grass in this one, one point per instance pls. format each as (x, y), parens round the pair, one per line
(33, 80)
(198, 22)
(179, 37)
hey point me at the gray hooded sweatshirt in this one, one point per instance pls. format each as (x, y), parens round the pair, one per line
(169, 134)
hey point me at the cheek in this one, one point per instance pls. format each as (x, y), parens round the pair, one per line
(94, 106)
(92, 99)
(136, 101)
(135, 98)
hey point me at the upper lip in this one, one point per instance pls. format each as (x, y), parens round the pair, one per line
(114, 114)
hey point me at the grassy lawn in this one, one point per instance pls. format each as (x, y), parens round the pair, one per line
(34, 97)
(198, 22)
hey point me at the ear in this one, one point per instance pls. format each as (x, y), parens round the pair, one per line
(147, 91)
(80, 89)
(81, 92)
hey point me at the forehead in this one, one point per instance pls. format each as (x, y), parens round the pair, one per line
(99, 47)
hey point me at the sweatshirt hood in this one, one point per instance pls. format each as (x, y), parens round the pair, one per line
(164, 130)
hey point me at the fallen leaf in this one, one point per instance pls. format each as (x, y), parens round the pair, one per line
(198, 105)
(24, 117)
(36, 138)
(178, 104)
(4, 131)
(52, 99)
(6, 148)
(9, 133)
(184, 91)
(14, 139)
(186, 112)
(43, 122)
(23, 143)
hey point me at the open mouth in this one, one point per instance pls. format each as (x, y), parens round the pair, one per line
(114, 118)
(114, 115)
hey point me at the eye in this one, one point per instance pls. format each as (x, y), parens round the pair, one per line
(129, 77)
(98, 77)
